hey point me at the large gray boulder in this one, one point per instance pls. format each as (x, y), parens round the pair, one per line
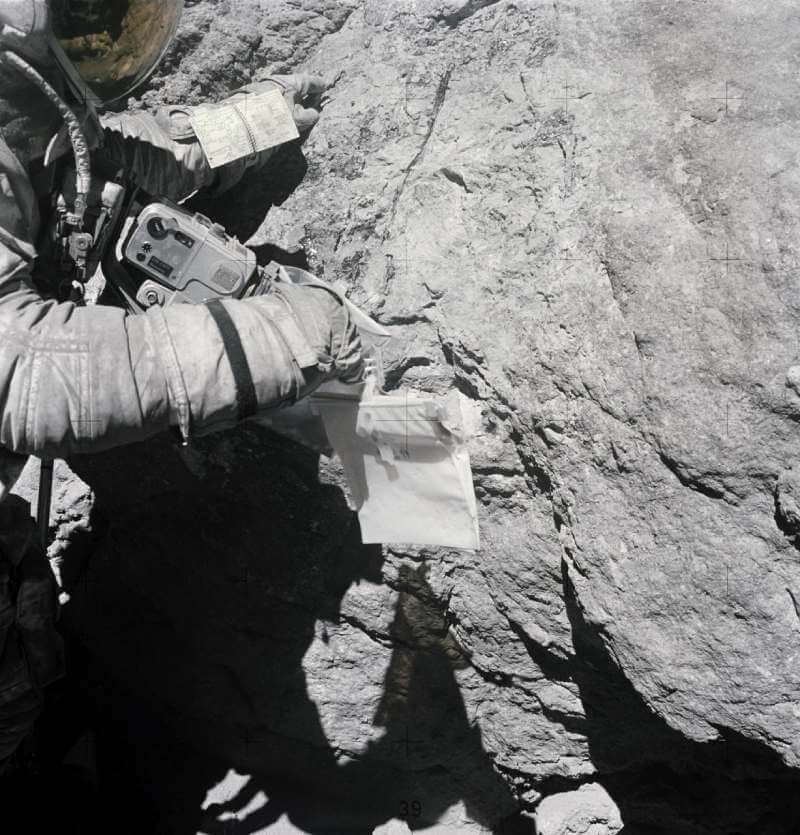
(584, 217)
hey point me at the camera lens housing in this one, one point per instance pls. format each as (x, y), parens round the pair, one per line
(156, 228)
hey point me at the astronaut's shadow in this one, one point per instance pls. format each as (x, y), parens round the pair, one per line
(424, 755)
(217, 571)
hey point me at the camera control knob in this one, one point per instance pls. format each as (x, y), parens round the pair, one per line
(157, 228)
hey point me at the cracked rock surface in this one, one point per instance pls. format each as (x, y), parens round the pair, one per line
(584, 216)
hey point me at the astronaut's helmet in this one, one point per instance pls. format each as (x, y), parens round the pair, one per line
(113, 45)
(105, 48)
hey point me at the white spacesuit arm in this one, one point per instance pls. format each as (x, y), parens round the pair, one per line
(163, 154)
(83, 379)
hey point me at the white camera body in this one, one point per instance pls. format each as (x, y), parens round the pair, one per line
(185, 257)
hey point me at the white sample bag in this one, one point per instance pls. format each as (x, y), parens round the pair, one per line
(407, 467)
(404, 454)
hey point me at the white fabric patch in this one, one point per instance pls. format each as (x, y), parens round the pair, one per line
(253, 124)
(409, 475)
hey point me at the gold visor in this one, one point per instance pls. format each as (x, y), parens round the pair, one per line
(114, 45)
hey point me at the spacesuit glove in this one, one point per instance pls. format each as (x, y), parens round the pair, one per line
(329, 329)
(301, 93)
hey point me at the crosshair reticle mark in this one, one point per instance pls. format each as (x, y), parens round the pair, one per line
(566, 98)
(727, 259)
(727, 97)
(406, 742)
(405, 450)
(568, 260)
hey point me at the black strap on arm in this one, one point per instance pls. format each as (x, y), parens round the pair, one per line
(246, 402)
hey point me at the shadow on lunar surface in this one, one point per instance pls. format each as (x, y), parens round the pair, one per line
(662, 781)
(199, 605)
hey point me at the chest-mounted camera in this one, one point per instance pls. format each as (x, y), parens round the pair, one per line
(185, 257)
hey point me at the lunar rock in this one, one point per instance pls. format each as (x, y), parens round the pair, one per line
(583, 216)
